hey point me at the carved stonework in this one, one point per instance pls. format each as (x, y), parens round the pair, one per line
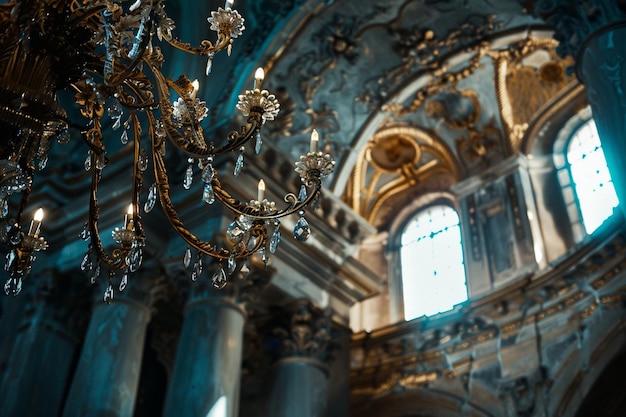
(307, 334)
(575, 21)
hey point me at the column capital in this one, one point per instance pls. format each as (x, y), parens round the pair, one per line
(304, 333)
(575, 21)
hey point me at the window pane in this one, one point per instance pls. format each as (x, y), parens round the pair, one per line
(592, 181)
(433, 274)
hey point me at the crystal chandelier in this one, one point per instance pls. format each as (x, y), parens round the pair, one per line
(103, 51)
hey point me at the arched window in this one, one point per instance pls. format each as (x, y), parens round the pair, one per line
(593, 187)
(431, 257)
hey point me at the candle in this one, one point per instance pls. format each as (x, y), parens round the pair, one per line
(259, 75)
(315, 138)
(261, 190)
(196, 87)
(128, 217)
(229, 4)
(35, 224)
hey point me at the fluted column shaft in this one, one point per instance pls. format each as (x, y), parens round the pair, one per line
(205, 380)
(106, 380)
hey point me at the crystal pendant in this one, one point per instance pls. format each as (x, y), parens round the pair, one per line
(15, 236)
(151, 200)
(117, 124)
(88, 162)
(43, 162)
(10, 259)
(187, 257)
(245, 222)
(208, 174)
(209, 64)
(259, 142)
(86, 264)
(108, 294)
(302, 230)
(124, 281)
(275, 240)
(188, 177)
(96, 274)
(85, 234)
(13, 286)
(115, 110)
(238, 163)
(124, 137)
(219, 279)
(134, 257)
(197, 269)
(245, 270)
(232, 264)
(229, 50)
(101, 162)
(265, 257)
(208, 196)
(235, 233)
(142, 162)
(4, 208)
(302, 195)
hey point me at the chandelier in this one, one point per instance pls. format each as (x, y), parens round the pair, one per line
(106, 53)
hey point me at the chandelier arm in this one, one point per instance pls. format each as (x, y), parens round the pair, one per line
(162, 181)
(117, 79)
(205, 48)
(235, 139)
(256, 211)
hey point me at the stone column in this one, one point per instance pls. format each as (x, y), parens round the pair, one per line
(207, 369)
(107, 376)
(38, 368)
(594, 33)
(301, 375)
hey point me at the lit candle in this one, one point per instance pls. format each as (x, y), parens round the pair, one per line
(259, 75)
(196, 87)
(35, 224)
(261, 190)
(315, 139)
(128, 217)
(229, 4)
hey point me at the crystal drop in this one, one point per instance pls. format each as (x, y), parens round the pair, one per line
(117, 124)
(245, 270)
(238, 164)
(115, 111)
(95, 275)
(88, 162)
(84, 235)
(86, 263)
(134, 257)
(265, 257)
(123, 282)
(197, 269)
(15, 236)
(219, 279)
(259, 142)
(187, 257)
(232, 264)
(4, 208)
(274, 240)
(101, 162)
(235, 233)
(209, 64)
(301, 231)
(43, 162)
(124, 137)
(108, 294)
(188, 177)
(208, 196)
(245, 222)
(13, 286)
(10, 259)
(208, 174)
(229, 50)
(142, 162)
(302, 195)
(151, 200)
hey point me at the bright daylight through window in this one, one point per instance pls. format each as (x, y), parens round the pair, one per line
(592, 181)
(433, 273)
